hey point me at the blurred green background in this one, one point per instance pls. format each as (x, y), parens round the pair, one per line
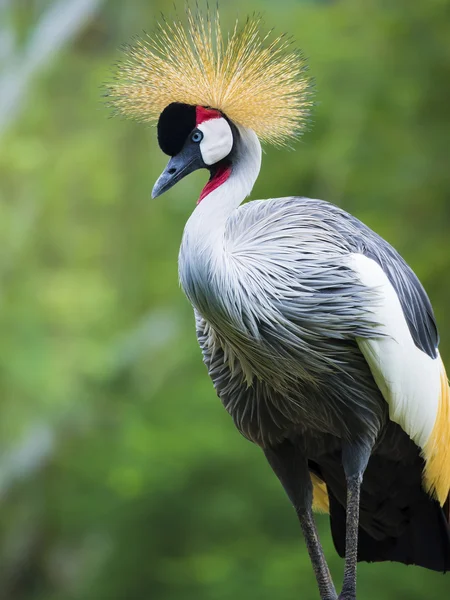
(121, 476)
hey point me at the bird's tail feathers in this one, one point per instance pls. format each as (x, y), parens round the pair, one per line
(425, 540)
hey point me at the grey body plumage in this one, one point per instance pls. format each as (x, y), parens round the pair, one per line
(278, 326)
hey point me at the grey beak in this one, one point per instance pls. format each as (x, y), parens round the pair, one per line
(187, 161)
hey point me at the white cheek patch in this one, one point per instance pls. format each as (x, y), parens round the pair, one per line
(217, 141)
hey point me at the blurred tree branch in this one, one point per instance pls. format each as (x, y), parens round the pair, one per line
(57, 27)
(27, 456)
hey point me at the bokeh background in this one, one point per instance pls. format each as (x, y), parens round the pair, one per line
(121, 476)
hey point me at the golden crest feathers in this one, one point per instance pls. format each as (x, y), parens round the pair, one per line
(255, 82)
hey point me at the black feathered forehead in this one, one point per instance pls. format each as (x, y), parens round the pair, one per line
(174, 125)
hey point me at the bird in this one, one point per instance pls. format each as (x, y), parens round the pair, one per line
(320, 340)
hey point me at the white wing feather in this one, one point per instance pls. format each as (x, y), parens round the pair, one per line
(408, 378)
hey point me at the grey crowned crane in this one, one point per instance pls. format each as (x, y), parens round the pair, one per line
(319, 339)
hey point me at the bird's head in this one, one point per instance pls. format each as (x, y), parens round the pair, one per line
(203, 89)
(195, 138)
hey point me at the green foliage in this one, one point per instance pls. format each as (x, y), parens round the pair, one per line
(121, 476)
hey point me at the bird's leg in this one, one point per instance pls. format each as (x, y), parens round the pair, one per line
(327, 590)
(291, 467)
(354, 460)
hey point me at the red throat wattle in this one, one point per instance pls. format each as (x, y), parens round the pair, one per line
(220, 176)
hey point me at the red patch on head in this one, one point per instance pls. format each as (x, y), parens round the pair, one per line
(206, 114)
(221, 175)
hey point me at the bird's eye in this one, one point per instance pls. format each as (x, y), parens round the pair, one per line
(197, 136)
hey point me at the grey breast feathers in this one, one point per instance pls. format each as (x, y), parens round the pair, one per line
(279, 336)
(279, 324)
